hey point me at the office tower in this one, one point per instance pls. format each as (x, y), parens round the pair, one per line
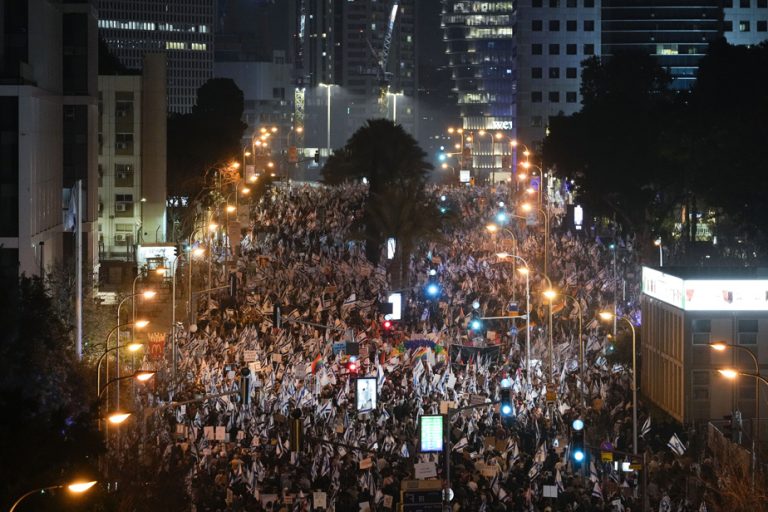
(745, 22)
(183, 30)
(553, 38)
(676, 33)
(342, 44)
(48, 137)
(132, 159)
(482, 48)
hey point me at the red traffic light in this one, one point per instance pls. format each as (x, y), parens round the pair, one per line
(387, 325)
(352, 367)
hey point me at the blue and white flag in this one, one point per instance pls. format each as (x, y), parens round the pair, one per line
(646, 427)
(597, 492)
(676, 445)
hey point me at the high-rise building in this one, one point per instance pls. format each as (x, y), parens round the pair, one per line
(745, 22)
(341, 44)
(553, 38)
(676, 33)
(48, 137)
(183, 30)
(481, 43)
(132, 159)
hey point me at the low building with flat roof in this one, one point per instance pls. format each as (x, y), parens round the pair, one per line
(684, 310)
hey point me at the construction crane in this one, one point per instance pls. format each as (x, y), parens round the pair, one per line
(382, 58)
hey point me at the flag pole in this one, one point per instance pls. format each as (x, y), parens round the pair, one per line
(79, 272)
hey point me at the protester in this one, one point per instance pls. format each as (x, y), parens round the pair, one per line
(297, 257)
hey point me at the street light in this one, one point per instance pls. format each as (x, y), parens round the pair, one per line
(139, 324)
(722, 346)
(581, 345)
(328, 116)
(147, 294)
(74, 487)
(527, 208)
(394, 109)
(657, 243)
(607, 316)
(117, 418)
(141, 376)
(524, 271)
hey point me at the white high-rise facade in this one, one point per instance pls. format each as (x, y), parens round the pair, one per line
(181, 29)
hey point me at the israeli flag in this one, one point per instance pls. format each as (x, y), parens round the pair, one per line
(676, 445)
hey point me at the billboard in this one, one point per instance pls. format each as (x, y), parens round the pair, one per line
(365, 394)
(431, 434)
(706, 294)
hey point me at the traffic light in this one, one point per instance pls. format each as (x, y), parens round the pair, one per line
(507, 409)
(296, 439)
(276, 316)
(475, 323)
(352, 366)
(176, 250)
(245, 386)
(317, 156)
(577, 442)
(386, 325)
(433, 290)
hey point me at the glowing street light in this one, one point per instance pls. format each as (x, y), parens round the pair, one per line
(117, 418)
(74, 487)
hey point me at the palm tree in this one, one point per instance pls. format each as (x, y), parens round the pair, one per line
(409, 217)
(395, 167)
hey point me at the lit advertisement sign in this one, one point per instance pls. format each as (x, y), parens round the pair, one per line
(431, 434)
(663, 286)
(707, 294)
(726, 295)
(464, 176)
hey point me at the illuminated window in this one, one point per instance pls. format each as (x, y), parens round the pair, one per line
(743, 26)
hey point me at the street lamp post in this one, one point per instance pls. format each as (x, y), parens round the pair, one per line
(524, 270)
(328, 116)
(394, 104)
(581, 347)
(132, 347)
(527, 207)
(657, 243)
(74, 487)
(607, 315)
(721, 346)
(147, 294)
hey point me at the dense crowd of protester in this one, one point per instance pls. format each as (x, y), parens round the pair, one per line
(297, 255)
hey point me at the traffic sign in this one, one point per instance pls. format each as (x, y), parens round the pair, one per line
(606, 456)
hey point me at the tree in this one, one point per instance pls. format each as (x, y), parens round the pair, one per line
(395, 167)
(613, 146)
(409, 217)
(48, 430)
(209, 135)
